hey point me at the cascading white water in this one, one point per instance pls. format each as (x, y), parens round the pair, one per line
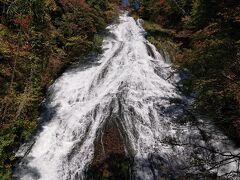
(131, 83)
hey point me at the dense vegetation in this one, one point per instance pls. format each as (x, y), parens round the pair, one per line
(203, 38)
(38, 39)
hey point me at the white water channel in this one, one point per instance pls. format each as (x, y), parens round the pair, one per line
(132, 84)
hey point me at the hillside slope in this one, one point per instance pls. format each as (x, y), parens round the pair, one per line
(38, 40)
(203, 39)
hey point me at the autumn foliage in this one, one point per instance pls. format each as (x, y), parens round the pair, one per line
(38, 40)
(206, 37)
(23, 21)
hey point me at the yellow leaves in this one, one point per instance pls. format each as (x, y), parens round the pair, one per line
(156, 27)
(5, 71)
(74, 40)
(77, 38)
(51, 4)
(149, 25)
(3, 30)
(186, 20)
(4, 49)
(26, 98)
(13, 104)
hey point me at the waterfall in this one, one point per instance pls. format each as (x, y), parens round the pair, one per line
(131, 84)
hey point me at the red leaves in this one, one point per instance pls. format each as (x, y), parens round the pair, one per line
(23, 21)
(162, 2)
(82, 2)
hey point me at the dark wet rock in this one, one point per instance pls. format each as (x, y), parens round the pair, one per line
(110, 160)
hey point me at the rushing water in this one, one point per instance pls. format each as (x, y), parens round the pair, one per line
(133, 85)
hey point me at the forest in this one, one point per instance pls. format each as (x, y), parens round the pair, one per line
(202, 37)
(39, 39)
